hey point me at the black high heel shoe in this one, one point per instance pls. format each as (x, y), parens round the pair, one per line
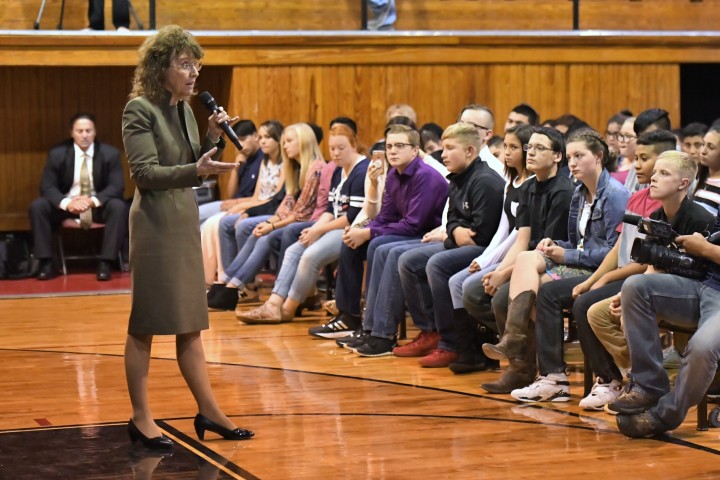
(203, 423)
(158, 443)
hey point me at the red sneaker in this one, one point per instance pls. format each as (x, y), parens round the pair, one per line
(421, 345)
(438, 358)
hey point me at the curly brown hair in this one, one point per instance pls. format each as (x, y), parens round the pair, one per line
(156, 53)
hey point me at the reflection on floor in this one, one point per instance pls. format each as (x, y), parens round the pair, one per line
(101, 451)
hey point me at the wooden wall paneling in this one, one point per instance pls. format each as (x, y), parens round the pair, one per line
(412, 14)
(484, 15)
(261, 14)
(222, 15)
(37, 104)
(599, 91)
(544, 87)
(375, 115)
(649, 15)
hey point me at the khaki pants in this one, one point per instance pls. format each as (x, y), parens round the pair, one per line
(608, 329)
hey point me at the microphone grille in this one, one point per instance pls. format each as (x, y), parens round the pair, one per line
(208, 100)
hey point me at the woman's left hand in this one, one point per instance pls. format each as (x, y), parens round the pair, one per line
(263, 229)
(309, 236)
(207, 166)
(214, 121)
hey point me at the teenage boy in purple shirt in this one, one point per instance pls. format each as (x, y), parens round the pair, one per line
(412, 204)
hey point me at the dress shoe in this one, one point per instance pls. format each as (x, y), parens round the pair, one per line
(203, 423)
(157, 443)
(46, 270)
(103, 271)
(642, 425)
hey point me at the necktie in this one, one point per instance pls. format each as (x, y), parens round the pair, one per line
(86, 216)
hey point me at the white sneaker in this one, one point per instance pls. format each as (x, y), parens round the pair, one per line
(552, 388)
(601, 394)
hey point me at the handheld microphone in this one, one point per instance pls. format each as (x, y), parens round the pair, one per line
(211, 105)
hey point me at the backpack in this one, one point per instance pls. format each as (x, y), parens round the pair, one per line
(15, 258)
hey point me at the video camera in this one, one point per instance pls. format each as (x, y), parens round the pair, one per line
(659, 249)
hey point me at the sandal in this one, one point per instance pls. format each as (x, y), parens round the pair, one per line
(259, 316)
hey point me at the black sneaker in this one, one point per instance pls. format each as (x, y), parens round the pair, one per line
(340, 326)
(376, 347)
(351, 339)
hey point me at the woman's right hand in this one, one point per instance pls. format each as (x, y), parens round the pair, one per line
(493, 281)
(374, 173)
(207, 166)
(581, 288)
(544, 244)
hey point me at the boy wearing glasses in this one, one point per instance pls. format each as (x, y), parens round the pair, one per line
(412, 204)
(543, 212)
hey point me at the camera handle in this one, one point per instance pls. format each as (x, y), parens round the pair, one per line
(714, 238)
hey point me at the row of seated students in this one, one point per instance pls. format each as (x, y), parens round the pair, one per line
(481, 247)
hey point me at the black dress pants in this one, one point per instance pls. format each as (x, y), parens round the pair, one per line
(46, 217)
(120, 14)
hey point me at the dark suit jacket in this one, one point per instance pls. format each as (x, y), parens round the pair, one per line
(57, 177)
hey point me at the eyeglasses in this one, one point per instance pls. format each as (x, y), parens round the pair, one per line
(612, 135)
(478, 126)
(188, 66)
(538, 148)
(625, 138)
(399, 146)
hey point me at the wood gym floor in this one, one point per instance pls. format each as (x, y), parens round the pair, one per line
(317, 411)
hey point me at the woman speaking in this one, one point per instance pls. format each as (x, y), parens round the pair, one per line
(167, 158)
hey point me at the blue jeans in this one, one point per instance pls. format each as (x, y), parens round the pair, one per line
(384, 301)
(301, 265)
(438, 265)
(290, 235)
(348, 286)
(464, 281)
(207, 210)
(251, 258)
(682, 302)
(230, 244)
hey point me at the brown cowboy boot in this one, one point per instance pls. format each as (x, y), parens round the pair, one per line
(516, 328)
(521, 371)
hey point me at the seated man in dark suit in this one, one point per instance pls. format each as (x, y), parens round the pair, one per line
(82, 179)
